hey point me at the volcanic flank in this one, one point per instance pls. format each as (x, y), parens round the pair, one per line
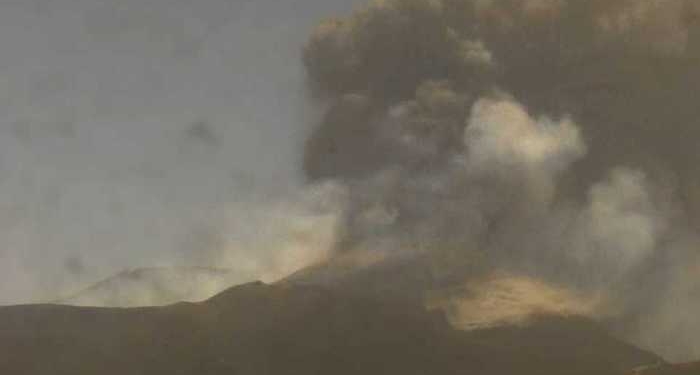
(511, 187)
(551, 139)
(154, 287)
(281, 329)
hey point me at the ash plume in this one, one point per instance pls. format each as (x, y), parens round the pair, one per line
(550, 138)
(524, 156)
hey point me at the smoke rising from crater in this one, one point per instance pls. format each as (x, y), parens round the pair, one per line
(546, 139)
(550, 138)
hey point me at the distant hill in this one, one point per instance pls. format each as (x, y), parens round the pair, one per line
(263, 329)
(155, 287)
(665, 369)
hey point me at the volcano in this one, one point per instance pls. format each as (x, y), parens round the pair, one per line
(294, 327)
(154, 287)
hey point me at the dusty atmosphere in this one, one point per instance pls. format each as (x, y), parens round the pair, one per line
(496, 160)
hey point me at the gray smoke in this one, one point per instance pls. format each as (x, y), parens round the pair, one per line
(550, 138)
(551, 141)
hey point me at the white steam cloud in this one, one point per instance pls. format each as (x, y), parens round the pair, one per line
(578, 186)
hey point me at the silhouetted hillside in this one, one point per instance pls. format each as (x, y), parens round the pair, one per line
(681, 369)
(281, 329)
(155, 287)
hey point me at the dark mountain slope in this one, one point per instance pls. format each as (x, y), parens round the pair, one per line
(155, 287)
(681, 369)
(276, 329)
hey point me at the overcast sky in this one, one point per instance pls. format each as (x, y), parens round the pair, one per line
(126, 126)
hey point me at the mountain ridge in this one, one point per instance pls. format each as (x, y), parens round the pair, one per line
(258, 328)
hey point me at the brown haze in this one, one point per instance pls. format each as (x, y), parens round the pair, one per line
(496, 160)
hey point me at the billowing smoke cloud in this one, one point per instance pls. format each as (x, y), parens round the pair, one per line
(528, 155)
(551, 139)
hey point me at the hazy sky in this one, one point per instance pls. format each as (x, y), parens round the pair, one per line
(128, 127)
(554, 138)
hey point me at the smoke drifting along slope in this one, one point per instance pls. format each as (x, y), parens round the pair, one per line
(155, 287)
(258, 329)
(549, 138)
